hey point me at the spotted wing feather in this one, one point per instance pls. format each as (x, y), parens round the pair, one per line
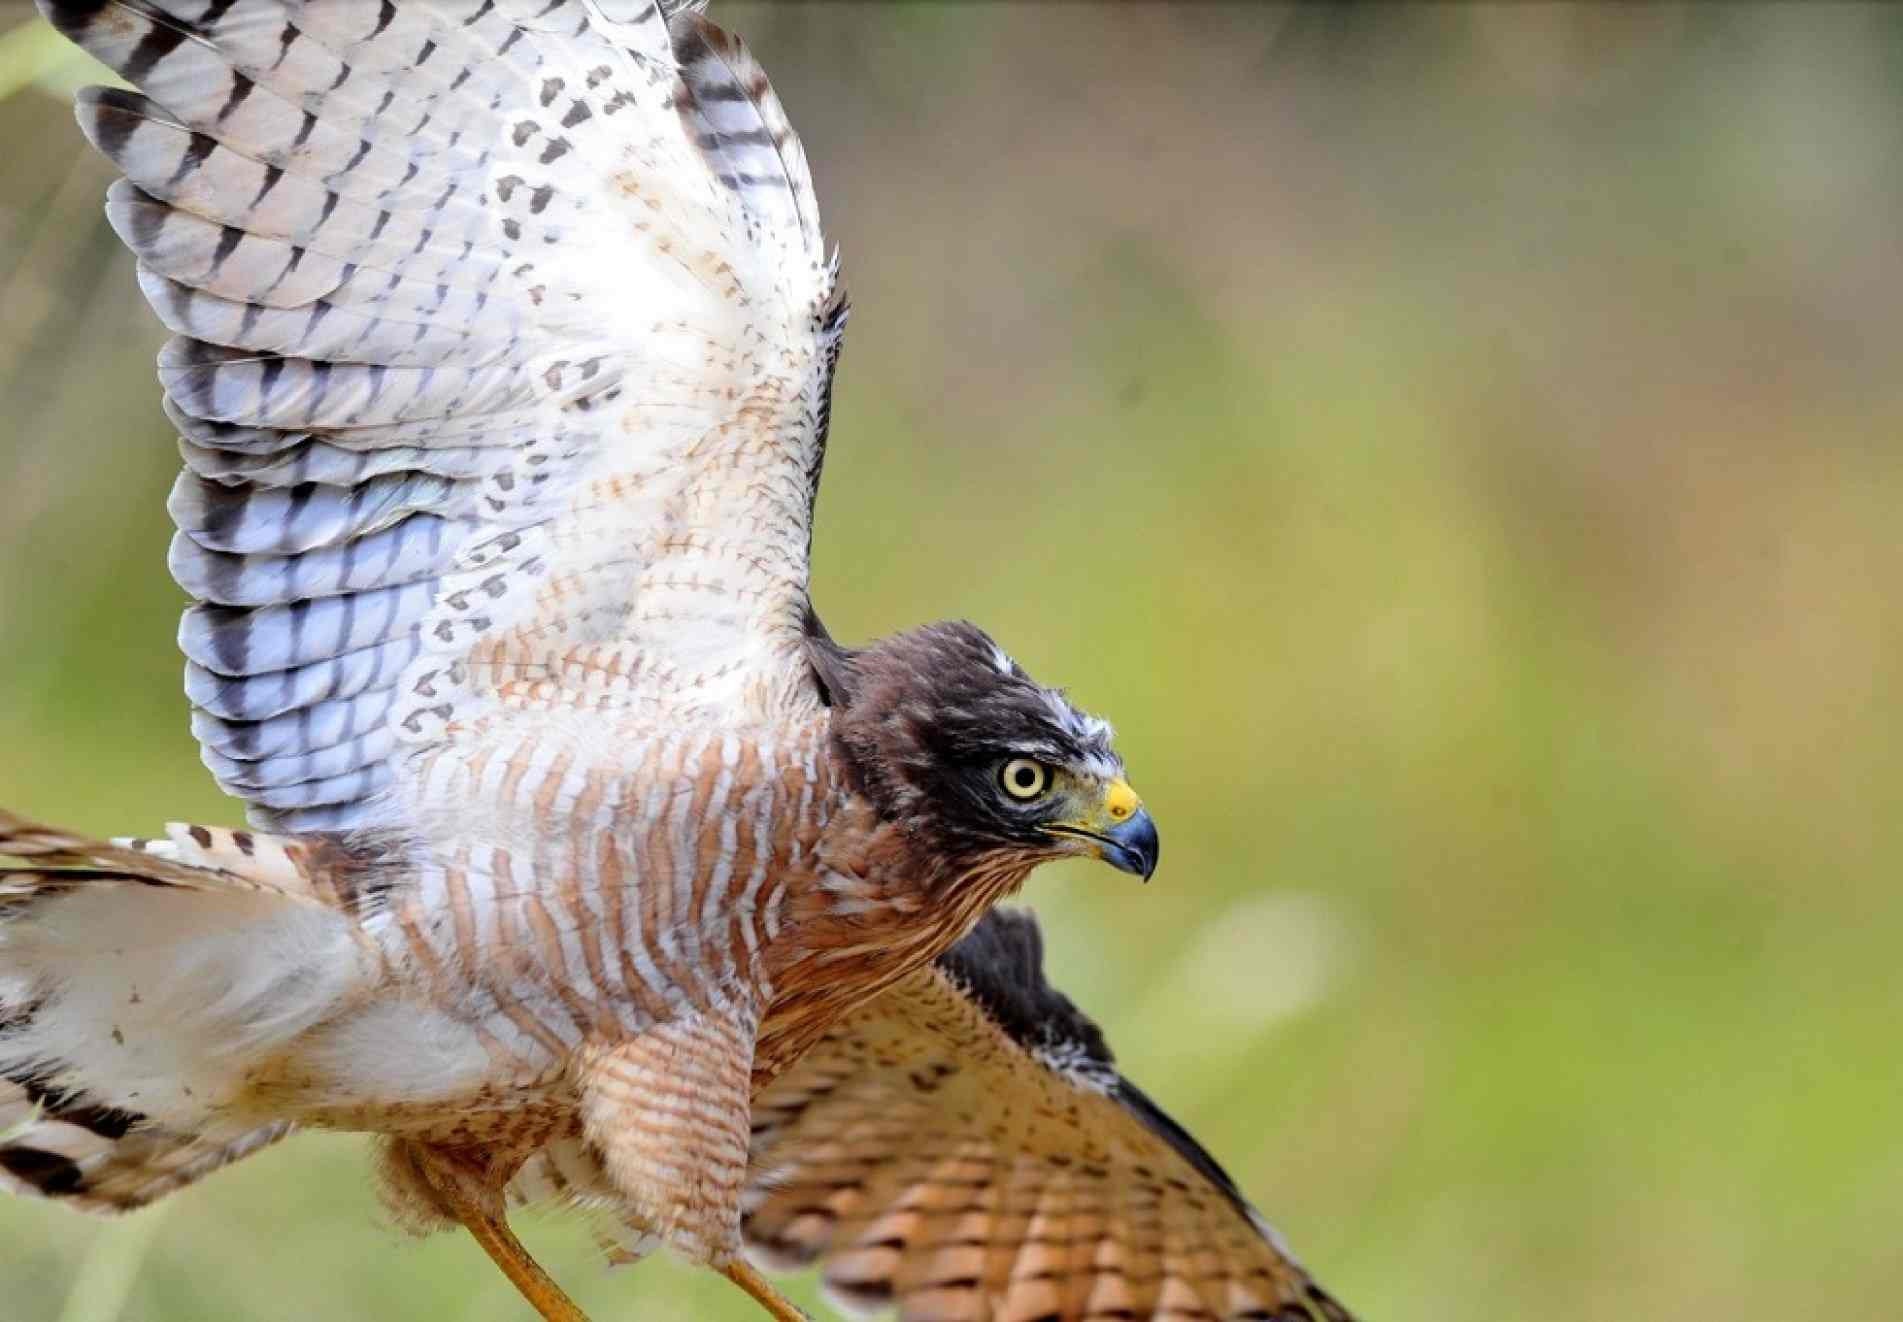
(964, 1148)
(502, 340)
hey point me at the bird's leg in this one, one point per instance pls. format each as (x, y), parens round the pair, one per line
(742, 1274)
(504, 1249)
(669, 1110)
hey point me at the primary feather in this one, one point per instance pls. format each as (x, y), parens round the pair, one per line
(503, 339)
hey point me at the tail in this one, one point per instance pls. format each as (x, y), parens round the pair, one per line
(140, 983)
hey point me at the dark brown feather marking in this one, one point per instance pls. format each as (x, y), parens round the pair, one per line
(53, 1175)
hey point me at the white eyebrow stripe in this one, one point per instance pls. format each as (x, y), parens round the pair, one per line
(1104, 768)
(1087, 728)
(1041, 750)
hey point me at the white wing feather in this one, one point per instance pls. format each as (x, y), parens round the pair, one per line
(504, 334)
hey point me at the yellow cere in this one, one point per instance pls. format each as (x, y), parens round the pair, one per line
(1119, 800)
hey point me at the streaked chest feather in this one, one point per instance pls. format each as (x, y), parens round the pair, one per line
(613, 881)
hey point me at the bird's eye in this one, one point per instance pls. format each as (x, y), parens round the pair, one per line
(1024, 779)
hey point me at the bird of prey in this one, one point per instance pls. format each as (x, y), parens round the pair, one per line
(585, 864)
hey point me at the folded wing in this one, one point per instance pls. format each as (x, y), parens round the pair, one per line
(503, 343)
(964, 1148)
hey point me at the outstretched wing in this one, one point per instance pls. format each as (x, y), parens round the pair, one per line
(504, 338)
(964, 1148)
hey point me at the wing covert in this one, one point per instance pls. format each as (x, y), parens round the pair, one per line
(964, 1148)
(503, 339)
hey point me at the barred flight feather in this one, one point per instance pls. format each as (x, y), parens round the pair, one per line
(500, 328)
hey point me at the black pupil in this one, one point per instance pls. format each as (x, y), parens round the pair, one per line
(1025, 778)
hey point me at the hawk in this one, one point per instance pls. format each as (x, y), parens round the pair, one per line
(585, 864)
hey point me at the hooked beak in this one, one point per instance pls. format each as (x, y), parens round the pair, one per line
(1119, 828)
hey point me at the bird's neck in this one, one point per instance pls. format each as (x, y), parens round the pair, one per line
(879, 908)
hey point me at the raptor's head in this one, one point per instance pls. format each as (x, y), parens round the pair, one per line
(948, 737)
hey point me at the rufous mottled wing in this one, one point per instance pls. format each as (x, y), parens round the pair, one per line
(963, 1147)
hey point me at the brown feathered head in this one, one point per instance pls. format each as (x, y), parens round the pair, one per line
(950, 739)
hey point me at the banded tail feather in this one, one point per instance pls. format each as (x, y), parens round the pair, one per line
(137, 981)
(64, 1147)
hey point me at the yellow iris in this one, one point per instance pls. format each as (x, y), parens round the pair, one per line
(1024, 778)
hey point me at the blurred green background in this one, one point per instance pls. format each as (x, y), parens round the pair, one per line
(1459, 447)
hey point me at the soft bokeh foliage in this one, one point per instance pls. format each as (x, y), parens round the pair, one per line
(1458, 445)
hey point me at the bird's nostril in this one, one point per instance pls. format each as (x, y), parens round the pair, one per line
(1120, 801)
